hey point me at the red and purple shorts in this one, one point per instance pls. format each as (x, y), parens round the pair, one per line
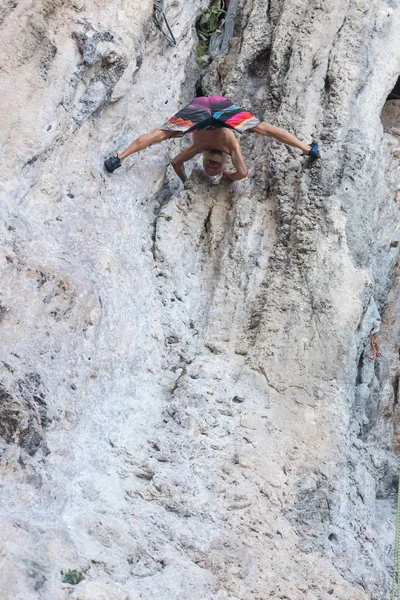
(210, 113)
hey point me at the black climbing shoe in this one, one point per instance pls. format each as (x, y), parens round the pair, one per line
(314, 152)
(112, 163)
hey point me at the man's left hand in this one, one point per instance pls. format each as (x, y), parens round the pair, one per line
(230, 175)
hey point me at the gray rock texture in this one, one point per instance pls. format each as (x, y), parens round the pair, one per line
(187, 408)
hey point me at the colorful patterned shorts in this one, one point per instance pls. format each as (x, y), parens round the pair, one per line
(210, 113)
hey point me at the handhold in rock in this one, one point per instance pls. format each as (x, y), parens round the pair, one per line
(124, 83)
(238, 399)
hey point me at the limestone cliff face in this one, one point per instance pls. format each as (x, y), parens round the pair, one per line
(186, 405)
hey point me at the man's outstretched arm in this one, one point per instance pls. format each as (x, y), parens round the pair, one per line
(238, 162)
(281, 135)
(178, 163)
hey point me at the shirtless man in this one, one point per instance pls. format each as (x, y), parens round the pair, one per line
(212, 121)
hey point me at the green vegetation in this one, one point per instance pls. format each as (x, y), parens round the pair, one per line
(73, 577)
(208, 24)
(44, 422)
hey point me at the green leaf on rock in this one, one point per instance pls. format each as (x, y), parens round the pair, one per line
(73, 577)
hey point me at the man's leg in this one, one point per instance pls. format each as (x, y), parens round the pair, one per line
(281, 135)
(148, 139)
(142, 142)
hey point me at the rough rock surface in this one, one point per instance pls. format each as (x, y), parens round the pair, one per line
(186, 405)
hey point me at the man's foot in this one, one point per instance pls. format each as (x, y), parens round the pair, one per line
(112, 163)
(314, 151)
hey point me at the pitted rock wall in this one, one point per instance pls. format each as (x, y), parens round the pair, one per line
(187, 408)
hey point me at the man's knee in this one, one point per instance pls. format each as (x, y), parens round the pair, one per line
(153, 137)
(160, 135)
(264, 129)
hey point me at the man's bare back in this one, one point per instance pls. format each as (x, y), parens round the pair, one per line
(221, 140)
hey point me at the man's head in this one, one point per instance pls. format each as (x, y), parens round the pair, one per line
(214, 162)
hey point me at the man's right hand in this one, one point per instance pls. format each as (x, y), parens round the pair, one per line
(179, 170)
(181, 158)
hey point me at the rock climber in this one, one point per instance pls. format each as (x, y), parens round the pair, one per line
(212, 121)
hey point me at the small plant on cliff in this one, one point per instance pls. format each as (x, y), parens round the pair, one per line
(208, 24)
(73, 577)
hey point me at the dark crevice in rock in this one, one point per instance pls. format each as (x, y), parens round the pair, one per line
(396, 390)
(328, 84)
(160, 200)
(199, 88)
(208, 221)
(359, 368)
(395, 93)
(259, 66)
(3, 311)
(24, 414)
